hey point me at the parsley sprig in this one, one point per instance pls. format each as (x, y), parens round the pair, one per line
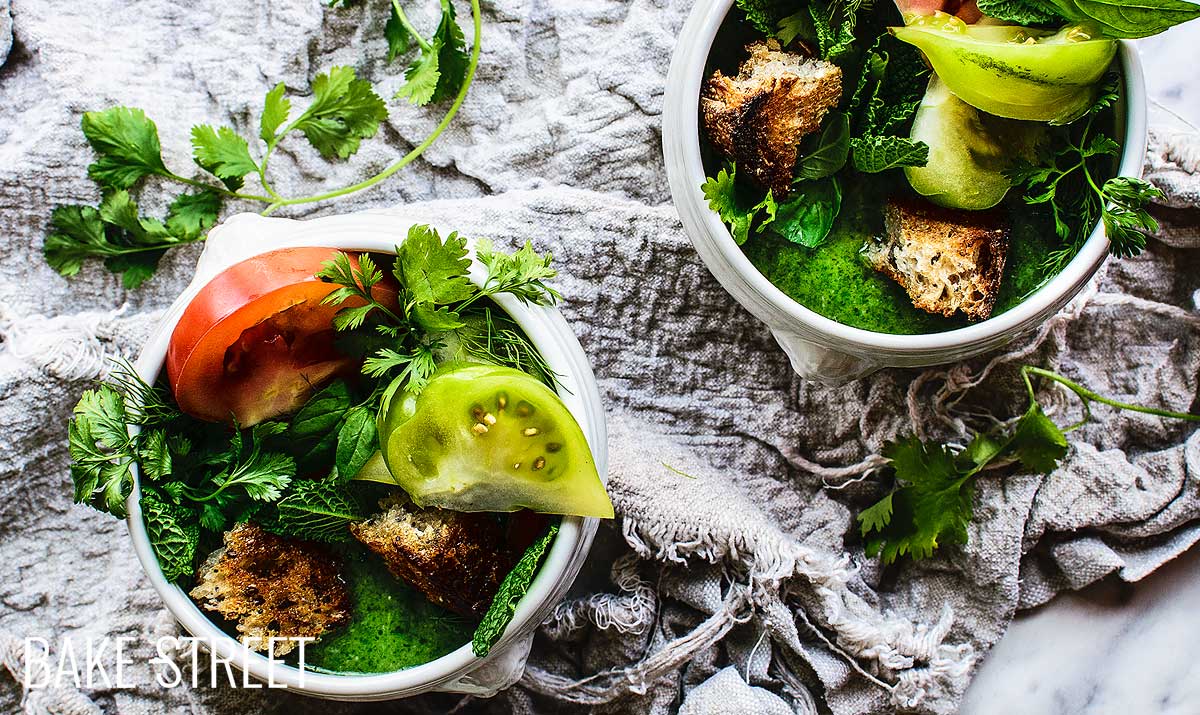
(930, 503)
(1067, 183)
(343, 111)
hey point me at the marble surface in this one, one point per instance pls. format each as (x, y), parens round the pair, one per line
(1115, 648)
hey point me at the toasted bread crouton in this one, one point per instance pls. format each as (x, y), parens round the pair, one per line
(947, 259)
(758, 118)
(273, 587)
(457, 560)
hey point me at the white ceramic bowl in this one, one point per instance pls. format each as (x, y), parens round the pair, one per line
(821, 348)
(247, 235)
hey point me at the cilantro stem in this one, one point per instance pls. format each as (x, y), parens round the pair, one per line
(219, 189)
(1088, 396)
(425, 46)
(418, 150)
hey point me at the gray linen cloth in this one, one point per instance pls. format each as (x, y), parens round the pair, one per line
(733, 580)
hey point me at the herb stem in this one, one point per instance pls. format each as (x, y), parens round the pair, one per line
(418, 150)
(1091, 396)
(219, 189)
(424, 44)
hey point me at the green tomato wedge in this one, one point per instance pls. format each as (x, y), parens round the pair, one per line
(488, 438)
(969, 150)
(1011, 71)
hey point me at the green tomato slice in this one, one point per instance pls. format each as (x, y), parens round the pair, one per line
(969, 150)
(1011, 71)
(488, 438)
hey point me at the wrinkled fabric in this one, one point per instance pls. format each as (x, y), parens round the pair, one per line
(733, 577)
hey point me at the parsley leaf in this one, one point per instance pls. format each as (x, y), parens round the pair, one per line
(523, 274)
(441, 69)
(512, 589)
(126, 143)
(222, 153)
(932, 502)
(761, 14)
(873, 154)
(727, 200)
(344, 111)
(102, 452)
(260, 474)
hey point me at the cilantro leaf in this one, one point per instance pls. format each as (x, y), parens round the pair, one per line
(1038, 442)
(738, 213)
(512, 589)
(222, 153)
(153, 454)
(931, 504)
(174, 532)
(126, 143)
(396, 34)
(318, 510)
(433, 271)
(190, 215)
(452, 55)
(416, 367)
(276, 108)
(76, 235)
(344, 111)
(261, 475)
(422, 76)
(873, 154)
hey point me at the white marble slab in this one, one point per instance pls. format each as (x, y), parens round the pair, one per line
(1115, 649)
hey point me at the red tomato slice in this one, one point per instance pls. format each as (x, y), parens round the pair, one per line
(256, 341)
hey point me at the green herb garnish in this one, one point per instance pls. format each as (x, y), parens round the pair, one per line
(343, 111)
(930, 502)
(512, 590)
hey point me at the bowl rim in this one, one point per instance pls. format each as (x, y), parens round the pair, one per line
(547, 329)
(681, 138)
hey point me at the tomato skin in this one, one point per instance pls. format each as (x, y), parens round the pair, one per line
(256, 339)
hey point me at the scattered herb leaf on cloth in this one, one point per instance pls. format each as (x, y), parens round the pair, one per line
(930, 503)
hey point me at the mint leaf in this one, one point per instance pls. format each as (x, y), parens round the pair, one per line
(432, 271)
(1021, 12)
(512, 589)
(809, 213)
(174, 532)
(318, 510)
(344, 111)
(322, 413)
(126, 144)
(873, 154)
(276, 108)
(223, 153)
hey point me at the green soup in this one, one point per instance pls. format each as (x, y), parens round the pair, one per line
(391, 627)
(835, 281)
